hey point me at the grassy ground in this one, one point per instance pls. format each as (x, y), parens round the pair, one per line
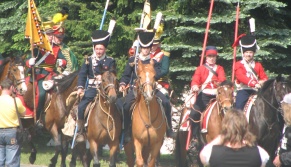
(45, 153)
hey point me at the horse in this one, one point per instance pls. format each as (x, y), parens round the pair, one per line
(214, 113)
(104, 120)
(55, 117)
(148, 119)
(265, 119)
(13, 68)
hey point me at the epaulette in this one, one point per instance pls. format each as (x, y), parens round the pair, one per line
(109, 57)
(166, 53)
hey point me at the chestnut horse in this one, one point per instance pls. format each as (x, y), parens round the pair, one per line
(55, 117)
(104, 122)
(13, 68)
(148, 119)
(223, 102)
(265, 118)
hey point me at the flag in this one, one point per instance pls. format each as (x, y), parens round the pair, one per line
(33, 29)
(146, 14)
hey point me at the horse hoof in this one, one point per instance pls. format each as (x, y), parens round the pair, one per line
(96, 165)
(32, 158)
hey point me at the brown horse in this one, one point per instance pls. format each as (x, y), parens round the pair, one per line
(55, 117)
(13, 68)
(223, 102)
(104, 122)
(148, 119)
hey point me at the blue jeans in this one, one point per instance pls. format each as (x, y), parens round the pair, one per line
(9, 148)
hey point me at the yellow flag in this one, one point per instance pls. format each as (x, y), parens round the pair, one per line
(147, 14)
(33, 28)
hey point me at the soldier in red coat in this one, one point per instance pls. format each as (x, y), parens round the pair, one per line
(250, 75)
(205, 80)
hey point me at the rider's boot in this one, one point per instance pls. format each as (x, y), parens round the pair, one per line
(80, 131)
(170, 133)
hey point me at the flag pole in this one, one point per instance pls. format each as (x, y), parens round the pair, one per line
(235, 37)
(206, 31)
(32, 55)
(104, 14)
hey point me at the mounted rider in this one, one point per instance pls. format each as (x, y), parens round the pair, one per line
(250, 75)
(44, 64)
(205, 80)
(90, 72)
(163, 86)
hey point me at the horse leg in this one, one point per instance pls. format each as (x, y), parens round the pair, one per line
(155, 152)
(129, 151)
(65, 145)
(180, 148)
(33, 151)
(58, 146)
(138, 153)
(114, 146)
(80, 149)
(94, 152)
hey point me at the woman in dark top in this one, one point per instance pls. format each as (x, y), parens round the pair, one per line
(235, 146)
(283, 157)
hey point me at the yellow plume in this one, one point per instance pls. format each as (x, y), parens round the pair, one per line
(59, 17)
(159, 32)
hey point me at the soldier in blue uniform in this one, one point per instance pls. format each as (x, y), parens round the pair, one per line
(92, 69)
(145, 41)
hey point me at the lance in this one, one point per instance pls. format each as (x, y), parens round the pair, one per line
(104, 14)
(206, 31)
(235, 38)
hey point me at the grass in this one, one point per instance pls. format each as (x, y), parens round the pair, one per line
(45, 153)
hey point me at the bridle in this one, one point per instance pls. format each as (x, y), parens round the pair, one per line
(219, 101)
(15, 81)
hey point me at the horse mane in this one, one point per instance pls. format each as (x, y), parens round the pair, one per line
(65, 82)
(226, 83)
(6, 60)
(265, 86)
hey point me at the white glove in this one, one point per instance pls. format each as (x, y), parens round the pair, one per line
(60, 62)
(31, 61)
(98, 79)
(194, 88)
(258, 86)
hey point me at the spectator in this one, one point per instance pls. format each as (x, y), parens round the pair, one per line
(9, 146)
(235, 146)
(283, 157)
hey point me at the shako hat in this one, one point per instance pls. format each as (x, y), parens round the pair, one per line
(58, 31)
(248, 43)
(211, 50)
(145, 39)
(100, 37)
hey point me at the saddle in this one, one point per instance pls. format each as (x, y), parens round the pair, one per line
(248, 106)
(206, 115)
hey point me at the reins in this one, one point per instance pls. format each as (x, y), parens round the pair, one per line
(103, 94)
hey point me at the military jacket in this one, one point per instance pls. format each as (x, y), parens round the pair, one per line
(93, 67)
(129, 71)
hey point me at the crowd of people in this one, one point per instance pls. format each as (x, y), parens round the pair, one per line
(235, 146)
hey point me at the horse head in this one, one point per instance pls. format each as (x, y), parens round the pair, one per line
(108, 86)
(224, 95)
(146, 80)
(282, 86)
(16, 74)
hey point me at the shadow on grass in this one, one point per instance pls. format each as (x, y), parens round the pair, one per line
(45, 153)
